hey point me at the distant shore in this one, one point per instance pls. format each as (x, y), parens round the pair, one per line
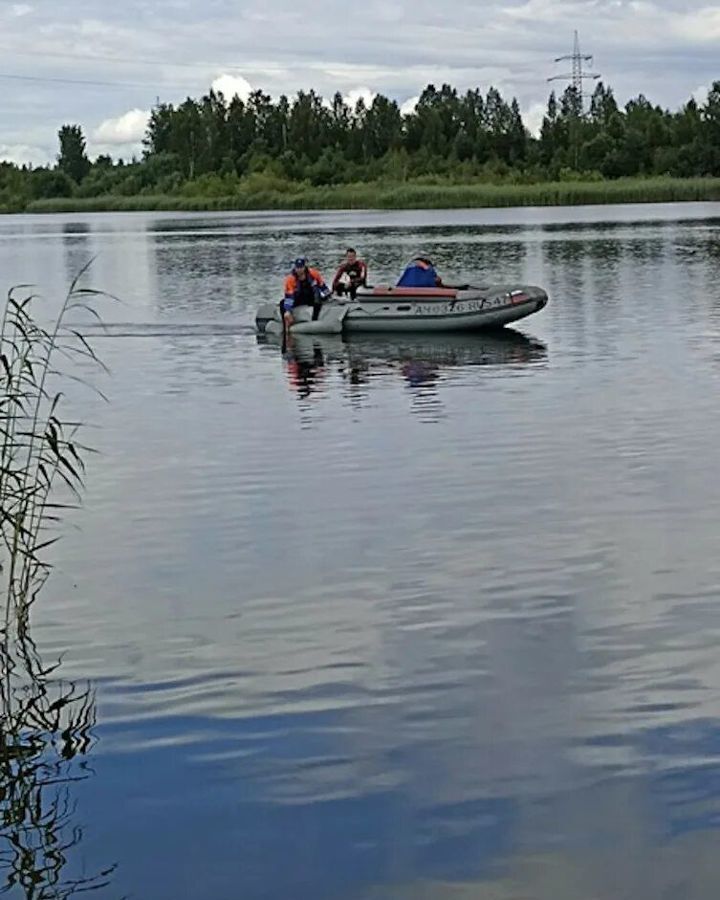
(400, 195)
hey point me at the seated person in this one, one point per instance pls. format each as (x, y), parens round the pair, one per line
(420, 272)
(351, 274)
(303, 287)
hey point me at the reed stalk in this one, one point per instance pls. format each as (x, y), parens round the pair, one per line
(45, 722)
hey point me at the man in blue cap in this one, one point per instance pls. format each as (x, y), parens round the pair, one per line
(303, 287)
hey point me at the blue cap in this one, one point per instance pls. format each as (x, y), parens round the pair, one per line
(300, 263)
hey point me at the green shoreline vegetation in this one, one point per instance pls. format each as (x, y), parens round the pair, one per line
(452, 151)
(402, 196)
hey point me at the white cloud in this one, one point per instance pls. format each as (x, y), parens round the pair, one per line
(126, 129)
(410, 105)
(383, 11)
(533, 117)
(662, 48)
(232, 86)
(700, 94)
(699, 26)
(360, 93)
(542, 11)
(23, 154)
(126, 152)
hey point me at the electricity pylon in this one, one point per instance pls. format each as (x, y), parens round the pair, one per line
(577, 76)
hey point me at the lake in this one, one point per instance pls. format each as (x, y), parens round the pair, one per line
(398, 617)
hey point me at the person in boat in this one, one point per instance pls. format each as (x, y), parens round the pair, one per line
(303, 287)
(351, 274)
(420, 273)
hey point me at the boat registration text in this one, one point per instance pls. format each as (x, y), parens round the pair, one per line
(461, 306)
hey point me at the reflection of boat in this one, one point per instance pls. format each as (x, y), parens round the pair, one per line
(486, 348)
(410, 352)
(312, 360)
(391, 309)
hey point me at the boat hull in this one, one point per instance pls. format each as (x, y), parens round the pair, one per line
(447, 322)
(387, 309)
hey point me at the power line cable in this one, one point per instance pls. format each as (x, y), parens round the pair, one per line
(124, 60)
(94, 83)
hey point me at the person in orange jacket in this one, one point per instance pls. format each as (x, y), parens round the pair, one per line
(303, 287)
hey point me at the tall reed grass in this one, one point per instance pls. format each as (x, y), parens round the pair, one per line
(404, 195)
(39, 449)
(45, 722)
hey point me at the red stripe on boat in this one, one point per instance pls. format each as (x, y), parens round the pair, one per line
(420, 293)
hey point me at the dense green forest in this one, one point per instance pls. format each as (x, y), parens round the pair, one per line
(453, 149)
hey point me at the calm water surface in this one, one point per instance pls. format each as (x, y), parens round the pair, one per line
(396, 617)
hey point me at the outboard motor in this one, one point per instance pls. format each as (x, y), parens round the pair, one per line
(267, 312)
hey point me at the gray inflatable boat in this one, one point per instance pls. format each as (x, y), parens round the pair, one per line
(385, 308)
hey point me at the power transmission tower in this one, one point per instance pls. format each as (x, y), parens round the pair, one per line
(578, 75)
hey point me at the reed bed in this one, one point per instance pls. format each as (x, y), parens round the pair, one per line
(45, 722)
(403, 195)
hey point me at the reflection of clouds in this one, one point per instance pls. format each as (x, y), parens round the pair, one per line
(632, 868)
(440, 648)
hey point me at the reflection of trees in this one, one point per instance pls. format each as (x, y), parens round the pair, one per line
(45, 723)
(77, 246)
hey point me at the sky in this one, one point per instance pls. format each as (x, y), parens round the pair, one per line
(104, 65)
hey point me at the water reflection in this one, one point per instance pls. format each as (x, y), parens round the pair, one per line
(422, 362)
(45, 738)
(45, 722)
(305, 365)
(78, 248)
(467, 660)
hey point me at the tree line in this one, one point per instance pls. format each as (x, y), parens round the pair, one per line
(211, 144)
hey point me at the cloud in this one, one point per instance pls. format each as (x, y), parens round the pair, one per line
(232, 86)
(24, 154)
(700, 94)
(536, 11)
(410, 105)
(351, 97)
(700, 26)
(360, 93)
(126, 129)
(663, 49)
(533, 117)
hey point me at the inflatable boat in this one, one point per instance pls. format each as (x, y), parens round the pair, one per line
(384, 308)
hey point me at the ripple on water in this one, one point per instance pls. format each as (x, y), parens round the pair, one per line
(441, 612)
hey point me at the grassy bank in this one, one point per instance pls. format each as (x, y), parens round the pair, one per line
(408, 195)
